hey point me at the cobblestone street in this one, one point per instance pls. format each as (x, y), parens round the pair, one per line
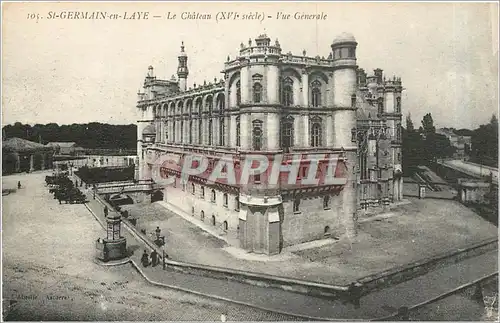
(49, 271)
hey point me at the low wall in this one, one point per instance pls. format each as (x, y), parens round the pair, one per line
(368, 284)
(403, 273)
(467, 290)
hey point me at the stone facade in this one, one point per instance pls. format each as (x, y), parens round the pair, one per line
(282, 106)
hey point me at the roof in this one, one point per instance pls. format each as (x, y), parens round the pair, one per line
(344, 38)
(62, 144)
(19, 144)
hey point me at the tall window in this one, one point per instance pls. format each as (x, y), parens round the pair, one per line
(398, 105)
(173, 130)
(257, 134)
(351, 52)
(210, 132)
(316, 93)
(398, 133)
(202, 192)
(238, 131)
(237, 203)
(238, 93)
(191, 131)
(225, 199)
(380, 107)
(316, 132)
(213, 196)
(182, 131)
(200, 122)
(288, 92)
(287, 132)
(221, 131)
(257, 93)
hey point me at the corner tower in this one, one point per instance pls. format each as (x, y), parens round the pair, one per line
(344, 116)
(182, 69)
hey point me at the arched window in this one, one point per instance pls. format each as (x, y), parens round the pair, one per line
(316, 132)
(202, 215)
(257, 93)
(238, 93)
(316, 93)
(237, 203)
(287, 132)
(213, 196)
(288, 92)
(210, 132)
(238, 143)
(353, 100)
(225, 226)
(202, 192)
(327, 230)
(193, 188)
(257, 134)
(225, 199)
(213, 219)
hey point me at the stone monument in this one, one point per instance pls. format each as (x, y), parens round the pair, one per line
(114, 246)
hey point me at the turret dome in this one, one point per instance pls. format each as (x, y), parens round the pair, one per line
(344, 38)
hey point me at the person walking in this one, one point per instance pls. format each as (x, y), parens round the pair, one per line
(158, 232)
(154, 258)
(19, 185)
(145, 259)
(106, 211)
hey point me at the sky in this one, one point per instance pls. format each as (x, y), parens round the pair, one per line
(78, 71)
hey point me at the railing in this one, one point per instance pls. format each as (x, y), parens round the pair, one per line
(124, 188)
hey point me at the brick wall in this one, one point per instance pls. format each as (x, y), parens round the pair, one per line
(309, 223)
(186, 201)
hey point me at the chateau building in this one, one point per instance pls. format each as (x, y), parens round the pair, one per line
(285, 107)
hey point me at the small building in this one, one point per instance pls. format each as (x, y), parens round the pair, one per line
(66, 148)
(21, 155)
(473, 191)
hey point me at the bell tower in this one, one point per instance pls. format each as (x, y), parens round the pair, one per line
(182, 69)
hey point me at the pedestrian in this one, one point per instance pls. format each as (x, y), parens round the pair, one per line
(106, 211)
(154, 258)
(158, 231)
(19, 185)
(145, 259)
(355, 294)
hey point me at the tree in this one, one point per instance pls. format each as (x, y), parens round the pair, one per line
(428, 124)
(409, 124)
